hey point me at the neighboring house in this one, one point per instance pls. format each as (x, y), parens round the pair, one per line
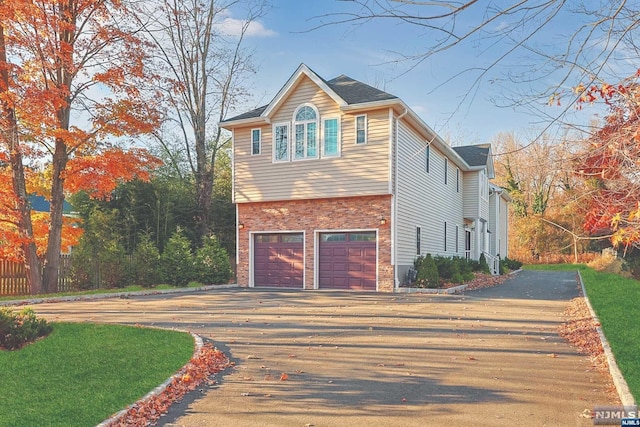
(339, 185)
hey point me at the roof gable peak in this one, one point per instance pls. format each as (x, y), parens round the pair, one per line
(302, 71)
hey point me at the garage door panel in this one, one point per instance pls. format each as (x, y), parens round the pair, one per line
(279, 260)
(348, 261)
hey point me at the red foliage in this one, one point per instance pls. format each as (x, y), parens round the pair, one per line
(201, 367)
(610, 162)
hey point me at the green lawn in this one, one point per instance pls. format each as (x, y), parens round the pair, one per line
(82, 373)
(615, 300)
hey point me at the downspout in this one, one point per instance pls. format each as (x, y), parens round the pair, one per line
(394, 222)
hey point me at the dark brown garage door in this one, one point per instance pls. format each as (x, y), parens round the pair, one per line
(278, 260)
(348, 261)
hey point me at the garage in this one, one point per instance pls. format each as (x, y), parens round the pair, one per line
(348, 260)
(279, 260)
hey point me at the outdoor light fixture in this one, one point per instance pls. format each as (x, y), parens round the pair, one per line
(241, 226)
(383, 221)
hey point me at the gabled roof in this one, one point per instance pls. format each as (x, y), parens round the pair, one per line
(343, 89)
(474, 155)
(355, 92)
(477, 156)
(352, 95)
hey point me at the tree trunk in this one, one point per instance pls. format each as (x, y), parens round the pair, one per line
(52, 258)
(25, 227)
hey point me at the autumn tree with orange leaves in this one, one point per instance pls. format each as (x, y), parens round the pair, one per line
(610, 162)
(70, 73)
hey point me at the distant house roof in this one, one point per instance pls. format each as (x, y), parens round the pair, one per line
(40, 204)
(474, 155)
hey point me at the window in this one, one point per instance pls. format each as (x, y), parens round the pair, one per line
(306, 132)
(255, 141)
(418, 240)
(445, 236)
(457, 180)
(484, 186)
(361, 129)
(428, 155)
(446, 171)
(331, 134)
(281, 142)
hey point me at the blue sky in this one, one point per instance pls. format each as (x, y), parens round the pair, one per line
(282, 40)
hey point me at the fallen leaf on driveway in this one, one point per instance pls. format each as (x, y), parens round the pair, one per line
(284, 377)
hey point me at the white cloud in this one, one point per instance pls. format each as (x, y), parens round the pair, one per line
(233, 27)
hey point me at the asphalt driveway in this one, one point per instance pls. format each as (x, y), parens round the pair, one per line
(489, 358)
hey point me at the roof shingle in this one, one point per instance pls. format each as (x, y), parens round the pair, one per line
(474, 155)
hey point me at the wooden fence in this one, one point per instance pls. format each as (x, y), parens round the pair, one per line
(13, 277)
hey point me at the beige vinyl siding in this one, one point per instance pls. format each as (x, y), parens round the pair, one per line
(359, 170)
(425, 201)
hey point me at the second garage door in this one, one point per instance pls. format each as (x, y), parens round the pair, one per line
(348, 261)
(279, 260)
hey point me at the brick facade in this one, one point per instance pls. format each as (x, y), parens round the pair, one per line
(348, 213)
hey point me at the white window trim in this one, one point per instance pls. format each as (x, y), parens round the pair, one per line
(273, 157)
(259, 141)
(294, 122)
(339, 142)
(366, 130)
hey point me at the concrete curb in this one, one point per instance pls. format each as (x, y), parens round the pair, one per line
(115, 418)
(618, 380)
(453, 290)
(114, 295)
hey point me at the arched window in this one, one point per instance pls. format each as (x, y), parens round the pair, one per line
(305, 126)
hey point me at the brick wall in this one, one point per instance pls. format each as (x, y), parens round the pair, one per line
(320, 214)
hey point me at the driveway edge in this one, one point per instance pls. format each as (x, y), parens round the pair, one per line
(618, 379)
(114, 295)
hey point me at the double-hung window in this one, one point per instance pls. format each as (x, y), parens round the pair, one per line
(305, 127)
(281, 142)
(361, 129)
(331, 132)
(255, 141)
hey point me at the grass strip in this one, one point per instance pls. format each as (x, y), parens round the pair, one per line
(615, 300)
(82, 373)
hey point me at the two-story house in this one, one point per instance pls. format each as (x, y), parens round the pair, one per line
(339, 185)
